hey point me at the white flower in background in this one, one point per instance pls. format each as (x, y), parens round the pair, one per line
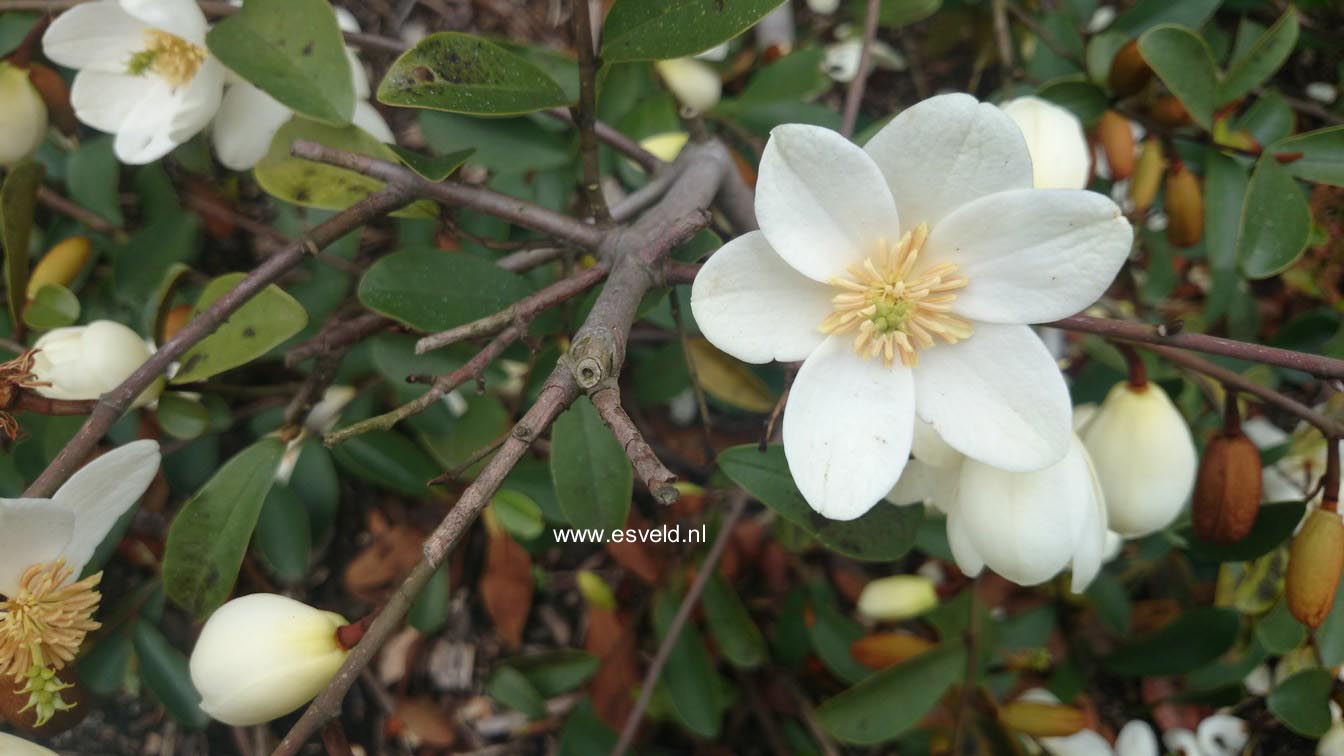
(1298, 471)
(841, 61)
(1332, 743)
(897, 597)
(1136, 738)
(13, 745)
(1221, 735)
(823, 7)
(23, 115)
(903, 275)
(1060, 157)
(696, 85)
(144, 72)
(1101, 19)
(1322, 91)
(1026, 526)
(717, 54)
(1144, 456)
(321, 419)
(85, 362)
(262, 656)
(249, 118)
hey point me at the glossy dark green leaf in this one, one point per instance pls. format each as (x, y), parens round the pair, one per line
(266, 321)
(1274, 523)
(18, 202)
(463, 73)
(103, 663)
(689, 680)
(1146, 14)
(1302, 702)
(1225, 182)
(164, 670)
(512, 688)
(1082, 98)
(1261, 59)
(53, 306)
(292, 50)
(897, 13)
(883, 534)
(832, 634)
(555, 673)
(429, 611)
(1322, 155)
(283, 536)
(890, 703)
(504, 145)
(315, 482)
(1109, 600)
(584, 733)
(93, 178)
(1275, 221)
(1196, 637)
(1330, 635)
(432, 167)
(734, 632)
(593, 478)
(149, 264)
(388, 459)
(517, 513)
(1182, 60)
(209, 536)
(662, 29)
(181, 416)
(433, 290)
(1278, 631)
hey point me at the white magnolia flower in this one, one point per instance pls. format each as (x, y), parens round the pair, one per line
(903, 275)
(1144, 456)
(897, 597)
(1026, 526)
(1060, 157)
(72, 523)
(262, 656)
(1221, 735)
(841, 61)
(23, 115)
(13, 745)
(321, 419)
(1298, 471)
(1136, 738)
(695, 84)
(144, 72)
(85, 362)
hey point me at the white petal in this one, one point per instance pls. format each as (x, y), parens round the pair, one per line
(847, 429)
(1263, 433)
(1060, 158)
(199, 101)
(1181, 741)
(358, 74)
(919, 483)
(1095, 539)
(146, 133)
(1136, 738)
(32, 531)
(94, 37)
(105, 100)
(1033, 255)
(1083, 743)
(997, 397)
(13, 745)
(180, 17)
(1222, 735)
(100, 492)
(930, 448)
(247, 121)
(821, 201)
(964, 553)
(752, 305)
(368, 118)
(947, 151)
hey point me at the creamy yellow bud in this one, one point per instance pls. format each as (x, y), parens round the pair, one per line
(13, 745)
(696, 85)
(1184, 203)
(23, 115)
(666, 146)
(595, 590)
(1147, 175)
(882, 650)
(84, 362)
(897, 598)
(1315, 561)
(60, 265)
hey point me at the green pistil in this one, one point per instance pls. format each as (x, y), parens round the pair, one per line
(44, 693)
(890, 316)
(141, 62)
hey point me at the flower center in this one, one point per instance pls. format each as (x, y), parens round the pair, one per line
(169, 56)
(893, 311)
(46, 621)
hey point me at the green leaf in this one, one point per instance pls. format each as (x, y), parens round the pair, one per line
(284, 535)
(734, 632)
(662, 29)
(434, 168)
(93, 176)
(593, 478)
(462, 73)
(149, 263)
(165, 672)
(555, 673)
(53, 306)
(429, 611)
(1274, 523)
(312, 184)
(182, 416)
(896, 13)
(266, 321)
(891, 702)
(1302, 702)
(832, 634)
(1195, 638)
(18, 201)
(409, 286)
(1263, 58)
(1278, 631)
(517, 513)
(883, 534)
(1275, 221)
(388, 459)
(507, 146)
(1181, 59)
(293, 51)
(512, 688)
(1082, 98)
(209, 537)
(1330, 635)
(1149, 13)
(585, 733)
(689, 680)
(1225, 182)
(1322, 157)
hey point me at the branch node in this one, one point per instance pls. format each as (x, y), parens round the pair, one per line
(594, 356)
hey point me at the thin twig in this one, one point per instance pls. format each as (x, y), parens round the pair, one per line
(337, 335)
(585, 113)
(854, 96)
(654, 474)
(68, 208)
(614, 139)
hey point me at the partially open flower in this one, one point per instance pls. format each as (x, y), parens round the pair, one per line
(695, 84)
(23, 115)
(262, 656)
(1060, 157)
(85, 362)
(897, 597)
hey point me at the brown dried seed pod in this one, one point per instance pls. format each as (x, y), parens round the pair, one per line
(1184, 203)
(1129, 71)
(1117, 140)
(1227, 491)
(1148, 174)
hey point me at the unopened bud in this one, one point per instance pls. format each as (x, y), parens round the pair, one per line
(897, 598)
(1147, 175)
(1315, 560)
(1170, 112)
(695, 84)
(882, 650)
(666, 146)
(1117, 140)
(60, 265)
(85, 362)
(1184, 203)
(595, 590)
(1129, 71)
(23, 115)
(1042, 720)
(1227, 490)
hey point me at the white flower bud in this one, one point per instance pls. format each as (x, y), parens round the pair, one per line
(1060, 158)
(1136, 738)
(897, 597)
(1332, 744)
(666, 146)
(85, 362)
(1144, 457)
(1222, 735)
(695, 84)
(1181, 742)
(13, 745)
(23, 115)
(262, 656)
(823, 7)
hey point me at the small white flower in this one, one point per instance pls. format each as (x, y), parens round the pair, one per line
(1136, 738)
(13, 745)
(696, 85)
(1060, 158)
(1221, 735)
(841, 61)
(904, 275)
(85, 362)
(262, 656)
(23, 115)
(1322, 91)
(1332, 743)
(1144, 456)
(823, 7)
(1298, 471)
(144, 72)
(72, 523)
(897, 597)
(1101, 18)
(1181, 742)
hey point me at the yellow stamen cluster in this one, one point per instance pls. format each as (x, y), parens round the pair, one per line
(45, 623)
(892, 309)
(169, 56)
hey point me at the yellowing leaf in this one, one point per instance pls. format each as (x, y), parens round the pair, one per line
(728, 380)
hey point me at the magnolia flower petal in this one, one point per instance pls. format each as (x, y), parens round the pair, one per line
(930, 448)
(13, 745)
(821, 202)
(919, 483)
(1060, 157)
(105, 100)
(181, 17)
(359, 76)
(749, 303)
(94, 37)
(847, 429)
(248, 119)
(1222, 735)
(32, 531)
(964, 553)
(1136, 738)
(146, 133)
(1032, 255)
(199, 102)
(946, 151)
(997, 397)
(368, 118)
(1081, 743)
(1094, 540)
(100, 492)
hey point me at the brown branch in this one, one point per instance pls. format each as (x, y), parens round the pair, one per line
(310, 393)
(688, 602)
(656, 477)
(31, 401)
(337, 335)
(112, 404)
(616, 140)
(54, 201)
(585, 113)
(527, 259)
(854, 95)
